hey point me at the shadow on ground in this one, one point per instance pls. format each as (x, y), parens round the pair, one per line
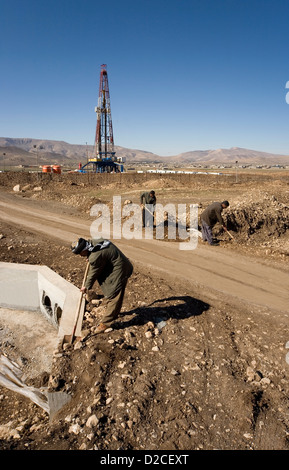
(158, 311)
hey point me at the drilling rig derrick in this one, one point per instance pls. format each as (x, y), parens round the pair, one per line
(104, 159)
(104, 144)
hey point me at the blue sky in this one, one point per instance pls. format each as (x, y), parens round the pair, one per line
(183, 74)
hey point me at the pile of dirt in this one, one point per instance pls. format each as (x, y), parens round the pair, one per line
(160, 183)
(260, 213)
(257, 220)
(79, 196)
(262, 219)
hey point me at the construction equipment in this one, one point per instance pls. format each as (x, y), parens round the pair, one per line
(143, 206)
(67, 338)
(231, 236)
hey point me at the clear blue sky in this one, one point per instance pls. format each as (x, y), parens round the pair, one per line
(183, 74)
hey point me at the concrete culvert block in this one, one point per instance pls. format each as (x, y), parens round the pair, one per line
(39, 289)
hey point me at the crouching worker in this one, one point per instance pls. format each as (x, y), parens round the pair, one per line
(111, 268)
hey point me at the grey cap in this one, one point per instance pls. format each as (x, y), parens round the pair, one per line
(79, 247)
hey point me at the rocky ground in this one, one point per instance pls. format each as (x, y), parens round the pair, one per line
(182, 369)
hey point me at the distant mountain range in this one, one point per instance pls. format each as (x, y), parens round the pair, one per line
(27, 151)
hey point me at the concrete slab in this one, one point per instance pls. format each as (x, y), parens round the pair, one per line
(38, 288)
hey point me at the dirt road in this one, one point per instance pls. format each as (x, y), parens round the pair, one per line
(213, 269)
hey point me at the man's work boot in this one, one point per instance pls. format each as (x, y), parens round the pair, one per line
(100, 329)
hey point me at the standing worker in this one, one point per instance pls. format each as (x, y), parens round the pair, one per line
(148, 201)
(111, 268)
(210, 216)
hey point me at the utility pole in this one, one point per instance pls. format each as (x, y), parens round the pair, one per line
(37, 163)
(35, 146)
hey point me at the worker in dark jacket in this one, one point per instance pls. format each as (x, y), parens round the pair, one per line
(111, 268)
(148, 201)
(210, 216)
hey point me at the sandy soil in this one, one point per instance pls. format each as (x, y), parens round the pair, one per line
(198, 358)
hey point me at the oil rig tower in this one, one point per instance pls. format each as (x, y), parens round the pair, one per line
(104, 159)
(104, 143)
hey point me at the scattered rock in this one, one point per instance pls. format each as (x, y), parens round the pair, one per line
(75, 429)
(92, 421)
(7, 432)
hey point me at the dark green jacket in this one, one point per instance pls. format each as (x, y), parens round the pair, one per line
(212, 214)
(110, 267)
(147, 198)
